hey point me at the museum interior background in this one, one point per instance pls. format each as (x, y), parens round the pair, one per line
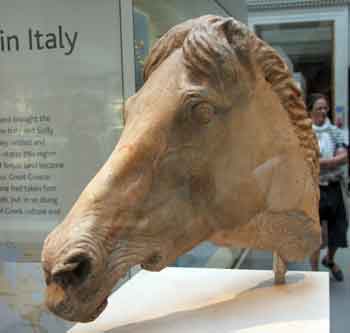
(66, 70)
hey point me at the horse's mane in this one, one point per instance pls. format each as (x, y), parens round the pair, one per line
(202, 52)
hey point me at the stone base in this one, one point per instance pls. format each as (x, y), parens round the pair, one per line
(216, 300)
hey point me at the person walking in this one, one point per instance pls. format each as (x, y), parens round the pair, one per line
(333, 155)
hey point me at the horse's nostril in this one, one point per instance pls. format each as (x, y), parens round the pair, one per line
(73, 272)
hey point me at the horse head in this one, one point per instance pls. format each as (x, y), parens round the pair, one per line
(208, 151)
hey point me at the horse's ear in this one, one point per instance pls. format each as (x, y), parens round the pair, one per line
(239, 37)
(235, 32)
(227, 27)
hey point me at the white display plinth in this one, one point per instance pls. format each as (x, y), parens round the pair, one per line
(215, 301)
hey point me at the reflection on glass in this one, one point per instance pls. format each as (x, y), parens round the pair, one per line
(60, 113)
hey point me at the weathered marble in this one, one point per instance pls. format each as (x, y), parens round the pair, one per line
(217, 145)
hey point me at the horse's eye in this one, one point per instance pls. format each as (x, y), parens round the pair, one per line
(203, 113)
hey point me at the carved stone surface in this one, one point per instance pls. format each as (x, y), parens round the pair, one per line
(217, 145)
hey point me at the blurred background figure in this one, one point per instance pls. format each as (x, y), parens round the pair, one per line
(333, 155)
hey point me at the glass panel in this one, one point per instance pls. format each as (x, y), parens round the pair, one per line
(60, 97)
(60, 100)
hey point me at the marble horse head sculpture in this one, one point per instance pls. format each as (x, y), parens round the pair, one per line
(216, 146)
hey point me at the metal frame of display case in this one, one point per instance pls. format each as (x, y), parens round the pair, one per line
(127, 41)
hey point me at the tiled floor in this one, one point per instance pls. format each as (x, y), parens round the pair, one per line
(339, 291)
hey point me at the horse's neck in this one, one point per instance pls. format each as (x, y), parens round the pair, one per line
(274, 125)
(267, 155)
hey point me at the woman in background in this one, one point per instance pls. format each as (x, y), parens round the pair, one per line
(333, 155)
